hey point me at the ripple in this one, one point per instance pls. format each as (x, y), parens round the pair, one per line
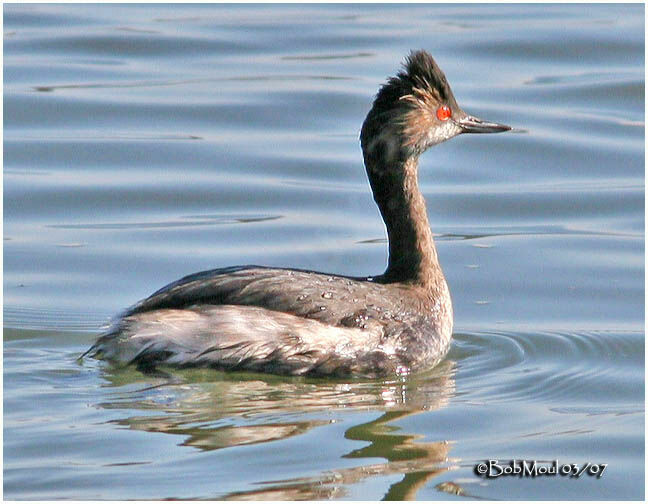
(578, 78)
(52, 319)
(318, 57)
(500, 231)
(184, 82)
(578, 50)
(598, 410)
(191, 220)
(550, 366)
(479, 354)
(128, 44)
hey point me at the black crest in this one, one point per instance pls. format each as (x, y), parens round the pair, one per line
(420, 72)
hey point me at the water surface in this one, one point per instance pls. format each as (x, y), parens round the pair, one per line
(144, 142)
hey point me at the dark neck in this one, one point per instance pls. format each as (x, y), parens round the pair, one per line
(412, 255)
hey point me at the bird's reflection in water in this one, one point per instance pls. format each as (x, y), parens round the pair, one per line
(212, 410)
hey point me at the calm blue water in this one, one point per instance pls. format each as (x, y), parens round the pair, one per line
(144, 143)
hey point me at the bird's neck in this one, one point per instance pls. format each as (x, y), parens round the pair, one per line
(412, 254)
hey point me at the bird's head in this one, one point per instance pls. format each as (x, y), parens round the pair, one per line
(414, 111)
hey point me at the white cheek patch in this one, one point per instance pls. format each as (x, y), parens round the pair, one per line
(441, 133)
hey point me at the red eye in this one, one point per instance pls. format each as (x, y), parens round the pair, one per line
(444, 113)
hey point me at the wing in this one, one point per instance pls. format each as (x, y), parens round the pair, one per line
(331, 299)
(245, 337)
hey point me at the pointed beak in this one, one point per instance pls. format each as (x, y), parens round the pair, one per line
(470, 124)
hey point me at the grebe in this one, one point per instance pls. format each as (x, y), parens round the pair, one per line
(298, 322)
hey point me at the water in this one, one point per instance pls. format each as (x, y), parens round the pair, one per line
(144, 143)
